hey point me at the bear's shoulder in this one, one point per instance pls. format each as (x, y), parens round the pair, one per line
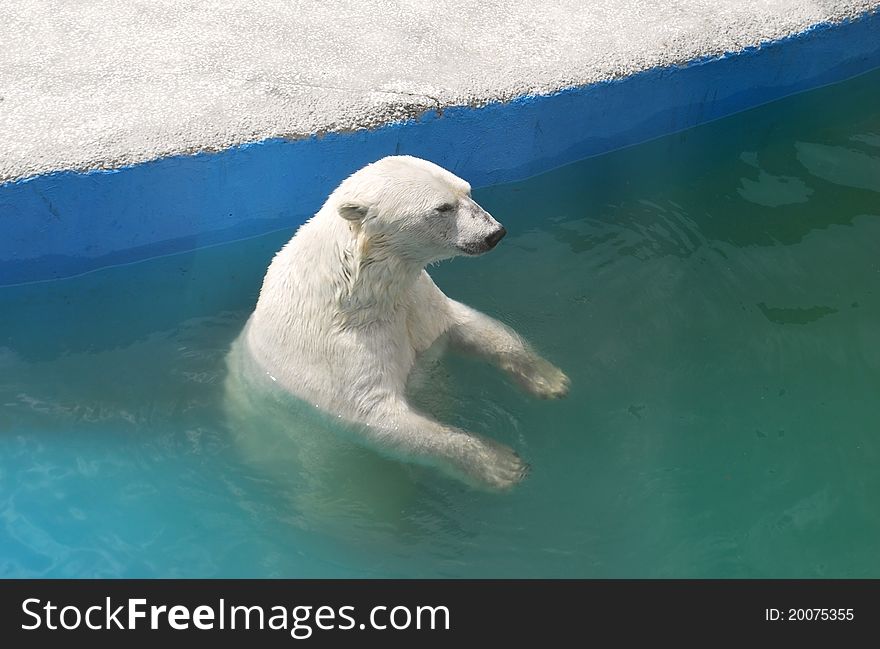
(427, 313)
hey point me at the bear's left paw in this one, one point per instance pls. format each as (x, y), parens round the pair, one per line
(493, 465)
(540, 377)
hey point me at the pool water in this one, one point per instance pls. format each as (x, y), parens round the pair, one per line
(714, 296)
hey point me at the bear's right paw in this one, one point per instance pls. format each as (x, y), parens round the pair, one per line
(493, 465)
(539, 377)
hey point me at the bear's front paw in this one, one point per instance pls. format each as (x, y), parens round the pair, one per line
(491, 464)
(540, 377)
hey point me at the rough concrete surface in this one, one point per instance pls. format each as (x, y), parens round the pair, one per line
(101, 83)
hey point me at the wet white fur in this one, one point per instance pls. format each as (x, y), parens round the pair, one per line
(346, 307)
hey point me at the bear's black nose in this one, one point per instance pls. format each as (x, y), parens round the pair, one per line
(495, 237)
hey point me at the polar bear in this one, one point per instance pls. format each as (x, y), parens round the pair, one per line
(346, 309)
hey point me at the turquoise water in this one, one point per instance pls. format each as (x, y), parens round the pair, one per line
(714, 296)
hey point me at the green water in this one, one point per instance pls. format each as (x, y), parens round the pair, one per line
(714, 296)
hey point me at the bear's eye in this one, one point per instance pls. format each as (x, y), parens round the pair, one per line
(446, 207)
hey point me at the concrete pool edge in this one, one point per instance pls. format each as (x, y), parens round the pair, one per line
(67, 223)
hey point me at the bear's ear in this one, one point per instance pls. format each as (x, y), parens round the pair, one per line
(353, 211)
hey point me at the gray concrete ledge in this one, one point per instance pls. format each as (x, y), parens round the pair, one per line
(102, 84)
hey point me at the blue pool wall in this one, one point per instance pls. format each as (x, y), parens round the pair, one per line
(67, 223)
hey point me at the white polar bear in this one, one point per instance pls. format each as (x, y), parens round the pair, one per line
(346, 308)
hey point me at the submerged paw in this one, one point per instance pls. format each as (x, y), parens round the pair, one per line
(543, 379)
(498, 467)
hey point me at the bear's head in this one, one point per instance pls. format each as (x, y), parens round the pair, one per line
(415, 210)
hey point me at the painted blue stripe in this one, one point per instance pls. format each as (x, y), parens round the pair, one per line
(67, 223)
